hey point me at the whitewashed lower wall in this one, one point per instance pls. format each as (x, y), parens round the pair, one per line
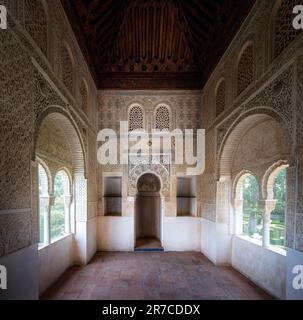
(264, 267)
(115, 234)
(182, 234)
(216, 242)
(22, 275)
(92, 246)
(208, 243)
(294, 260)
(54, 260)
(178, 234)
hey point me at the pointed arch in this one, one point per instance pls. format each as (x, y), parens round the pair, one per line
(245, 67)
(136, 117)
(220, 94)
(84, 96)
(67, 66)
(162, 117)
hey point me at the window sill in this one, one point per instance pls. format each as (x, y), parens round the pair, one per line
(249, 239)
(273, 249)
(55, 241)
(280, 251)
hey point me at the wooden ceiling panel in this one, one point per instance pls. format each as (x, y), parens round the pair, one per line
(154, 44)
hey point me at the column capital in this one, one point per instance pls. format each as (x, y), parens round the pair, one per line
(68, 199)
(51, 199)
(237, 203)
(267, 205)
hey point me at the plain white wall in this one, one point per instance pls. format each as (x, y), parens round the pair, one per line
(22, 275)
(54, 260)
(115, 233)
(264, 267)
(182, 234)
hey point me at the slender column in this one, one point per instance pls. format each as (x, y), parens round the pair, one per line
(44, 207)
(67, 210)
(267, 206)
(238, 214)
(47, 217)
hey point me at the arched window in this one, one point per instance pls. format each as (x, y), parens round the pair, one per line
(43, 205)
(284, 32)
(162, 118)
(60, 213)
(67, 68)
(136, 118)
(246, 68)
(36, 23)
(84, 96)
(220, 97)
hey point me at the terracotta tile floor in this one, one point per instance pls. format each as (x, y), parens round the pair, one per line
(139, 276)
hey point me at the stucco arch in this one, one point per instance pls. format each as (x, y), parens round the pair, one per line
(270, 177)
(169, 109)
(237, 130)
(150, 172)
(155, 169)
(129, 109)
(48, 174)
(72, 133)
(238, 182)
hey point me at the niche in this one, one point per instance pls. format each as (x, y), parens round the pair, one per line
(186, 196)
(112, 196)
(148, 211)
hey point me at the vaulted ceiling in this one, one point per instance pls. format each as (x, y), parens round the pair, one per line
(154, 44)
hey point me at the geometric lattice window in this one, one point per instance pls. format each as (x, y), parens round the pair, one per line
(220, 98)
(66, 68)
(84, 96)
(162, 118)
(246, 68)
(136, 118)
(284, 31)
(36, 24)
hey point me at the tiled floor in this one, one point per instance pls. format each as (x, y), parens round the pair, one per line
(187, 276)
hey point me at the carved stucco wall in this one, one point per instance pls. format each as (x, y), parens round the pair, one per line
(31, 89)
(53, 148)
(261, 146)
(273, 92)
(185, 112)
(296, 222)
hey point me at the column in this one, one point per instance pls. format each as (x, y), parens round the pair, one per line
(267, 206)
(47, 220)
(67, 210)
(238, 215)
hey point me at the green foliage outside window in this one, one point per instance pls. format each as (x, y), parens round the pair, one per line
(277, 228)
(252, 215)
(57, 212)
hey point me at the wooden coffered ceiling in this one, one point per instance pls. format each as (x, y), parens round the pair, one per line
(154, 44)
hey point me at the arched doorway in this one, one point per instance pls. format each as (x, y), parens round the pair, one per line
(148, 213)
